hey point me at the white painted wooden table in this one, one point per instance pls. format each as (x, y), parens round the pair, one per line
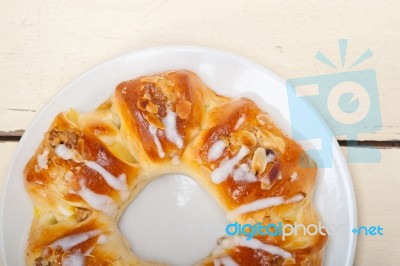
(46, 44)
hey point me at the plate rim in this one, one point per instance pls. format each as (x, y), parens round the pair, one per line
(337, 154)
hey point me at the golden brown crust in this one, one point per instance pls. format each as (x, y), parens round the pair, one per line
(60, 179)
(100, 234)
(180, 92)
(285, 163)
(89, 166)
(273, 181)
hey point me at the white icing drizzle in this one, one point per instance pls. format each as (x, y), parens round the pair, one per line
(297, 198)
(293, 177)
(68, 176)
(77, 259)
(117, 183)
(221, 173)
(280, 176)
(253, 243)
(257, 244)
(63, 152)
(240, 121)
(65, 211)
(263, 204)
(225, 261)
(42, 159)
(171, 131)
(153, 131)
(97, 201)
(270, 157)
(72, 240)
(216, 150)
(176, 160)
(102, 239)
(221, 248)
(74, 259)
(243, 173)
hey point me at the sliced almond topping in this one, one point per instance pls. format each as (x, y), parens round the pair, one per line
(142, 103)
(269, 178)
(265, 183)
(73, 116)
(290, 261)
(263, 119)
(152, 79)
(267, 139)
(183, 109)
(80, 147)
(82, 214)
(169, 92)
(37, 168)
(151, 108)
(259, 161)
(280, 176)
(259, 134)
(247, 138)
(169, 83)
(153, 119)
(123, 91)
(280, 144)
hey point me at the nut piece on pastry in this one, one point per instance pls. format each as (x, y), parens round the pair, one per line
(81, 164)
(90, 166)
(161, 114)
(92, 241)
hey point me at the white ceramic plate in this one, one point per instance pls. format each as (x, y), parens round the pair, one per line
(227, 74)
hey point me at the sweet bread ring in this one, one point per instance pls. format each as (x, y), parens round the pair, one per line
(89, 167)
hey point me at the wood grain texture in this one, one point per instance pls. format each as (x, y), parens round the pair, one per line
(46, 44)
(376, 188)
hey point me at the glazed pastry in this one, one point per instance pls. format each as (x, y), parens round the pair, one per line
(89, 167)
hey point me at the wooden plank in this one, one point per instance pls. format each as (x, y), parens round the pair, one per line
(376, 187)
(376, 193)
(52, 42)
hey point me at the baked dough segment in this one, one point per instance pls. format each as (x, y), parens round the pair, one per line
(93, 241)
(72, 166)
(259, 175)
(78, 179)
(161, 114)
(241, 124)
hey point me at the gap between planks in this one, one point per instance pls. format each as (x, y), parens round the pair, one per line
(16, 135)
